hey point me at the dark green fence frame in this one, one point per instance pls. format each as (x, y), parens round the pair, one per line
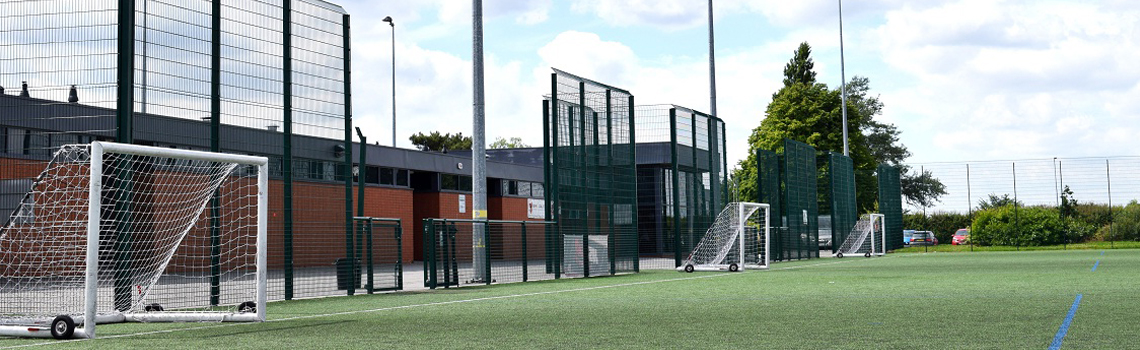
(890, 204)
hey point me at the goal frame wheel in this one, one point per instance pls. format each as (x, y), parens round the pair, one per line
(867, 255)
(155, 307)
(689, 268)
(247, 306)
(62, 327)
(839, 255)
(733, 267)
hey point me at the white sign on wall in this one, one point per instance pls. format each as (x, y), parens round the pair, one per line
(535, 208)
(462, 203)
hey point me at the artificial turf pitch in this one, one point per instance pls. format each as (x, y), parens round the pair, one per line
(982, 300)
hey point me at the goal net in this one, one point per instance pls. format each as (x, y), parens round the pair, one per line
(738, 238)
(112, 233)
(866, 237)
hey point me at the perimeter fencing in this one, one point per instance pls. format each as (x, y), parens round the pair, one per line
(682, 181)
(514, 251)
(591, 175)
(268, 78)
(1105, 190)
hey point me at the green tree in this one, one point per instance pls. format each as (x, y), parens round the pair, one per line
(810, 112)
(800, 69)
(995, 201)
(1068, 203)
(514, 142)
(436, 142)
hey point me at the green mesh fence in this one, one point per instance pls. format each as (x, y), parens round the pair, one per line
(801, 204)
(681, 181)
(591, 177)
(841, 181)
(890, 204)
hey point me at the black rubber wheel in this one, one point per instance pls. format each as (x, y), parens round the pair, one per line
(62, 327)
(867, 254)
(839, 255)
(733, 267)
(689, 268)
(248, 306)
(156, 307)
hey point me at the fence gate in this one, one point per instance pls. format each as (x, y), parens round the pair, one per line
(375, 260)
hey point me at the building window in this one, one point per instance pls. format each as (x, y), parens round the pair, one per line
(402, 177)
(452, 182)
(387, 177)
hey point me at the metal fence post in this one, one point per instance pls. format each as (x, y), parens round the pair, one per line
(368, 237)
(1016, 209)
(400, 255)
(430, 249)
(1111, 220)
(524, 249)
(969, 202)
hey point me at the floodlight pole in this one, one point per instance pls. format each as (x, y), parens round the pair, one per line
(393, 25)
(712, 65)
(479, 150)
(843, 81)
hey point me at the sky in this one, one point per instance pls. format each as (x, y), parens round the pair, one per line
(964, 80)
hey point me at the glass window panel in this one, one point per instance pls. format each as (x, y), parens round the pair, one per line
(402, 177)
(386, 177)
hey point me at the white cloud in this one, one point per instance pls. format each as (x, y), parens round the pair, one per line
(1013, 79)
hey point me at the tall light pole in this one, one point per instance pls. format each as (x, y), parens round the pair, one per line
(843, 81)
(481, 261)
(712, 65)
(393, 24)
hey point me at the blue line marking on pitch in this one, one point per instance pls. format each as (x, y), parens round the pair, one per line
(1065, 325)
(1102, 252)
(1095, 265)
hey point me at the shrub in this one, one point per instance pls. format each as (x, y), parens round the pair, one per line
(1020, 226)
(1125, 226)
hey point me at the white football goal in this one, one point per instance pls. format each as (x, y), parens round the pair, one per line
(126, 233)
(737, 239)
(867, 237)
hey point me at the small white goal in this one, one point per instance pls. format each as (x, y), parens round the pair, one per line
(737, 239)
(118, 233)
(866, 238)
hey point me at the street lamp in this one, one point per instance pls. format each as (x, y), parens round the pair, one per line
(393, 24)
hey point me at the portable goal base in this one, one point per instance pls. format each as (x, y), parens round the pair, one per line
(868, 238)
(737, 240)
(110, 232)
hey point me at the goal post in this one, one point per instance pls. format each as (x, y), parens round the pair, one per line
(737, 239)
(114, 232)
(867, 237)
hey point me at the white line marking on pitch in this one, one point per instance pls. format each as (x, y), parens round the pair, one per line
(221, 325)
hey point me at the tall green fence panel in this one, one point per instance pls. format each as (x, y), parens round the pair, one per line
(843, 211)
(890, 204)
(801, 203)
(768, 191)
(592, 175)
(681, 181)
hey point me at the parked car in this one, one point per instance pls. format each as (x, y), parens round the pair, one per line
(824, 232)
(907, 235)
(962, 236)
(923, 238)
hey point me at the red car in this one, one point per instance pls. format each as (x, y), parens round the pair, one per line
(961, 237)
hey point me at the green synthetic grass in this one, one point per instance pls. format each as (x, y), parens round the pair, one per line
(1007, 248)
(985, 300)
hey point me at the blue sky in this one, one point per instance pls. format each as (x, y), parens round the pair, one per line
(962, 79)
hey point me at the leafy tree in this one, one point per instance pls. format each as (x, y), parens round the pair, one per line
(810, 112)
(1068, 203)
(514, 142)
(436, 142)
(995, 201)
